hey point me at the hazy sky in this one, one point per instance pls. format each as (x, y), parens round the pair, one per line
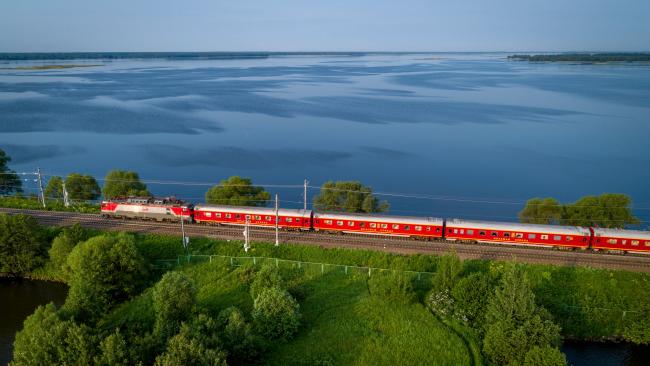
(335, 25)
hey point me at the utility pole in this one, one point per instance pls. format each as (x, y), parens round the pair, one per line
(246, 234)
(304, 207)
(66, 198)
(277, 219)
(40, 186)
(186, 240)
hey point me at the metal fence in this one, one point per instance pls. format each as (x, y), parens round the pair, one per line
(312, 267)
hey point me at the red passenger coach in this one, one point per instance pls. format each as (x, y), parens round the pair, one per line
(624, 240)
(521, 234)
(257, 216)
(379, 225)
(149, 208)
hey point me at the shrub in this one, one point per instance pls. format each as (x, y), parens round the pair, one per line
(174, 297)
(395, 286)
(113, 351)
(266, 277)
(449, 267)
(441, 303)
(62, 246)
(237, 337)
(470, 296)
(276, 314)
(22, 244)
(544, 356)
(187, 351)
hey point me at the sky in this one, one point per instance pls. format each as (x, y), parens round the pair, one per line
(325, 25)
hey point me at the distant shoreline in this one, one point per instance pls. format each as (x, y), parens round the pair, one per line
(584, 57)
(46, 67)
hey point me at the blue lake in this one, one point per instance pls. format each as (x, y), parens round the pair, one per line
(462, 135)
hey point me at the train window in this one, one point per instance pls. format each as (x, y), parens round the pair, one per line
(406, 227)
(557, 237)
(506, 235)
(350, 223)
(418, 228)
(532, 236)
(635, 242)
(569, 238)
(248, 217)
(470, 232)
(519, 235)
(267, 218)
(544, 237)
(339, 223)
(481, 232)
(362, 224)
(384, 226)
(611, 241)
(373, 225)
(328, 222)
(289, 219)
(258, 217)
(228, 216)
(494, 233)
(437, 229)
(623, 241)
(218, 214)
(238, 216)
(208, 214)
(647, 243)
(428, 228)
(455, 231)
(462, 231)
(395, 226)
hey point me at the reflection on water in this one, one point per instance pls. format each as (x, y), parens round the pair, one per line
(18, 299)
(477, 133)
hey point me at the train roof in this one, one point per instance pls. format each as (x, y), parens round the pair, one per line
(252, 210)
(144, 200)
(496, 225)
(413, 220)
(620, 233)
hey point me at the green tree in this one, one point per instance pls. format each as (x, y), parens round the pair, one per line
(104, 270)
(237, 337)
(449, 268)
(267, 277)
(22, 244)
(184, 350)
(471, 296)
(276, 315)
(609, 210)
(63, 244)
(9, 181)
(113, 351)
(544, 356)
(54, 188)
(123, 183)
(541, 211)
(237, 191)
(174, 297)
(47, 340)
(349, 196)
(514, 323)
(83, 187)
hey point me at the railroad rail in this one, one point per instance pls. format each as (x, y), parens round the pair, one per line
(628, 262)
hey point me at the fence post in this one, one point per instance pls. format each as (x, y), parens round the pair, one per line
(254, 261)
(322, 268)
(210, 259)
(231, 264)
(369, 271)
(419, 275)
(346, 269)
(299, 264)
(276, 263)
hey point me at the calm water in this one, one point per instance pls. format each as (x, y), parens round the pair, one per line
(18, 299)
(474, 133)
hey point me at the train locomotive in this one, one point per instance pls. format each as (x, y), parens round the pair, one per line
(424, 228)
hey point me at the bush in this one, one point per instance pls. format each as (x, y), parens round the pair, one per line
(237, 337)
(449, 267)
(47, 340)
(22, 244)
(266, 277)
(544, 356)
(174, 297)
(104, 270)
(113, 351)
(395, 286)
(186, 351)
(276, 315)
(62, 246)
(470, 296)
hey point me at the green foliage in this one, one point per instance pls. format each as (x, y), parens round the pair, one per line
(32, 203)
(9, 181)
(22, 244)
(514, 323)
(174, 297)
(393, 286)
(237, 337)
(83, 187)
(113, 351)
(470, 296)
(276, 314)
(183, 349)
(544, 356)
(54, 188)
(47, 340)
(237, 191)
(123, 183)
(104, 270)
(62, 246)
(449, 267)
(349, 196)
(610, 210)
(267, 277)
(541, 211)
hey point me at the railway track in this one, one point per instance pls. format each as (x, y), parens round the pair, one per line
(637, 263)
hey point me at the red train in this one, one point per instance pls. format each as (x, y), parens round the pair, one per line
(171, 209)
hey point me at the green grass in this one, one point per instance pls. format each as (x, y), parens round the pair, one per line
(32, 203)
